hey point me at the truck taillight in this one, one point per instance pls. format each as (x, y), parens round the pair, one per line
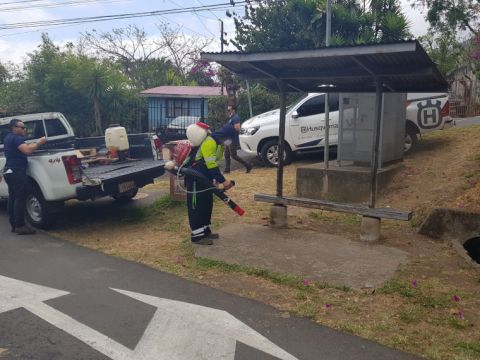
(157, 142)
(446, 109)
(72, 166)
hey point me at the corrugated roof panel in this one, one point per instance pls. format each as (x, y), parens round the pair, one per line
(402, 67)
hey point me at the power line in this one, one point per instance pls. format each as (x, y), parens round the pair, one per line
(54, 5)
(18, 2)
(23, 25)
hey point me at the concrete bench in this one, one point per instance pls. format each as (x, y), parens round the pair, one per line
(379, 213)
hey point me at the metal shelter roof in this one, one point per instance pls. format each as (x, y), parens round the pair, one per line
(401, 67)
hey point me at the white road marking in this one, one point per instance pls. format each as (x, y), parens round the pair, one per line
(177, 331)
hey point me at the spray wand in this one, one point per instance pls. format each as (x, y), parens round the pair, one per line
(170, 166)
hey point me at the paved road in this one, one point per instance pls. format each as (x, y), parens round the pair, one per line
(464, 122)
(60, 301)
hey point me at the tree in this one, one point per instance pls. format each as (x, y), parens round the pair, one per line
(263, 27)
(181, 50)
(100, 84)
(452, 15)
(133, 50)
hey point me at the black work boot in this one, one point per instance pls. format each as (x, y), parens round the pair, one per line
(24, 230)
(203, 241)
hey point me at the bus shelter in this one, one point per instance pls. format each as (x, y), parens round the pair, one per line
(398, 67)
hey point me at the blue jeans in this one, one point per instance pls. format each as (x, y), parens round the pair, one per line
(17, 194)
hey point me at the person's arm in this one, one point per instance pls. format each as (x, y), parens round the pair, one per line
(209, 152)
(236, 123)
(27, 149)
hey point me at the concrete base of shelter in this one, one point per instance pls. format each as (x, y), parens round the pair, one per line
(346, 183)
(315, 256)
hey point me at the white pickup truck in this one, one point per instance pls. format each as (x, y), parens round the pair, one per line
(56, 173)
(305, 125)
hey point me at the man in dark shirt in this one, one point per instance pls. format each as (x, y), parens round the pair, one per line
(15, 173)
(231, 149)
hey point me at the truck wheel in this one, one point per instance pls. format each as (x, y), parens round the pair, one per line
(269, 154)
(410, 140)
(37, 210)
(127, 196)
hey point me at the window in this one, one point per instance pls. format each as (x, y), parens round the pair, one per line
(333, 102)
(313, 106)
(55, 127)
(178, 107)
(35, 129)
(4, 130)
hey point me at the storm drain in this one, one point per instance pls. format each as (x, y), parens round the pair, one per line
(472, 246)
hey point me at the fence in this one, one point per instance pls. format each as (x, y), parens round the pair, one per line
(459, 109)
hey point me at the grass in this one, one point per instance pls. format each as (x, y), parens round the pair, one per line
(470, 348)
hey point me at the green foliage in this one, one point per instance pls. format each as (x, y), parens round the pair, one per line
(444, 49)
(451, 15)
(264, 28)
(217, 107)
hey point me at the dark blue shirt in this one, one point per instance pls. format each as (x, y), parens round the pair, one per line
(16, 160)
(235, 119)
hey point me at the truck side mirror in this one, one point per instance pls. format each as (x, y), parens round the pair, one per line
(295, 115)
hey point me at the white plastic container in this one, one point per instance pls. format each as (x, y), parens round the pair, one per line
(116, 137)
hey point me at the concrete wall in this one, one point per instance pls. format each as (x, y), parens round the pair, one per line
(345, 183)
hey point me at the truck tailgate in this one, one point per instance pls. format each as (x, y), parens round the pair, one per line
(125, 170)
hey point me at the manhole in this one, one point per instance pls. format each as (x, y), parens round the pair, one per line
(472, 246)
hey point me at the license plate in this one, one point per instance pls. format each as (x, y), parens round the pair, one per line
(126, 186)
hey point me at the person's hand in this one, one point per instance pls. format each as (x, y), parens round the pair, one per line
(227, 184)
(42, 140)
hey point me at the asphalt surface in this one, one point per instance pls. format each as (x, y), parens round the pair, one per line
(93, 306)
(464, 122)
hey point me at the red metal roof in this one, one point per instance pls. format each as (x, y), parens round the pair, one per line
(187, 91)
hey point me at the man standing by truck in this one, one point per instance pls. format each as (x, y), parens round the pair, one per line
(15, 174)
(234, 145)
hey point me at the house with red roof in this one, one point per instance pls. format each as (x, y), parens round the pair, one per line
(177, 106)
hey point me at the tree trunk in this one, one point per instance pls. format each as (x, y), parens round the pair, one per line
(98, 117)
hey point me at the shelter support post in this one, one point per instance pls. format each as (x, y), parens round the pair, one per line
(278, 212)
(370, 227)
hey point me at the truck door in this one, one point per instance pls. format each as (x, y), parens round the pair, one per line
(307, 122)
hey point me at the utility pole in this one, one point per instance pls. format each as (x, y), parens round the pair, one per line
(221, 35)
(221, 49)
(326, 154)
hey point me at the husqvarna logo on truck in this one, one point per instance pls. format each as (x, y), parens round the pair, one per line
(428, 115)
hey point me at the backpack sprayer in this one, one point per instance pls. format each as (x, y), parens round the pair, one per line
(180, 154)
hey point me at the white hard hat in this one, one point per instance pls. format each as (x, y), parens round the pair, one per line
(197, 132)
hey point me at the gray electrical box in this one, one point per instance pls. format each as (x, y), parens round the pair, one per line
(356, 128)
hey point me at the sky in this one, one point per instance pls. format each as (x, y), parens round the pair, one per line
(16, 43)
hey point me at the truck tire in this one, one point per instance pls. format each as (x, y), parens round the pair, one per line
(38, 211)
(269, 153)
(129, 195)
(411, 139)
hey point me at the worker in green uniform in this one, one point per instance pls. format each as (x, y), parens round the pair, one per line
(209, 151)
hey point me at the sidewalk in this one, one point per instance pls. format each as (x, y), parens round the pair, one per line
(314, 256)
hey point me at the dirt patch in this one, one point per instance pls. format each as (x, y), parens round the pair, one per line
(429, 308)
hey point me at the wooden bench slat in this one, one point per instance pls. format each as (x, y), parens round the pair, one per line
(385, 213)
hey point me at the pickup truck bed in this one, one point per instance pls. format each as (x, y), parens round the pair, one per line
(113, 179)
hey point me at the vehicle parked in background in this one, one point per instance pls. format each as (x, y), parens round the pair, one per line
(305, 125)
(71, 168)
(177, 128)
